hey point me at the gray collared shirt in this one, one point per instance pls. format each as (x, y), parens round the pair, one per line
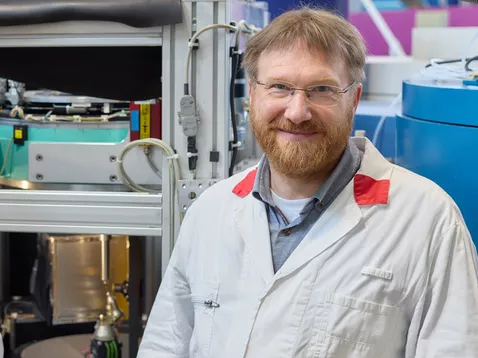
(286, 237)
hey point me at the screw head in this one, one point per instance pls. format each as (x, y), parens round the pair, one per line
(39, 157)
(39, 176)
(113, 178)
(112, 159)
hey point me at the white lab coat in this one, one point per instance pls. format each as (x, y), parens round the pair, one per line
(388, 271)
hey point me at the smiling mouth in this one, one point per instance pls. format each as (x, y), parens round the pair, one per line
(298, 133)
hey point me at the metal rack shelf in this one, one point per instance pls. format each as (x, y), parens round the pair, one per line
(67, 212)
(79, 33)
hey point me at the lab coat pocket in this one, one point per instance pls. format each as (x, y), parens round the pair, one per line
(358, 325)
(204, 300)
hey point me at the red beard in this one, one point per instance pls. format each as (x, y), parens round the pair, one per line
(302, 158)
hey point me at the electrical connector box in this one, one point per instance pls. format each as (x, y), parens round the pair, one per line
(20, 134)
(188, 116)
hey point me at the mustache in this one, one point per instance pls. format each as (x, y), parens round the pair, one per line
(303, 127)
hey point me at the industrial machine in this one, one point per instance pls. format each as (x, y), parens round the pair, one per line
(419, 110)
(436, 134)
(114, 119)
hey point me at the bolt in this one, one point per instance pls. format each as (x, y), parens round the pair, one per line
(112, 159)
(200, 186)
(113, 177)
(39, 177)
(184, 186)
(184, 207)
(39, 157)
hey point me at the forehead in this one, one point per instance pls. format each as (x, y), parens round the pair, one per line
(301, 66)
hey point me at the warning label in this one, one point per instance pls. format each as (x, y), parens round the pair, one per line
(145, 121)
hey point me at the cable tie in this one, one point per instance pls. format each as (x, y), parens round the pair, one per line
(174, 156)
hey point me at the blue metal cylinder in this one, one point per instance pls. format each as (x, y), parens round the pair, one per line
(437, 137)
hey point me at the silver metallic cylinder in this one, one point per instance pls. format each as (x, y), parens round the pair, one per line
(104, 239)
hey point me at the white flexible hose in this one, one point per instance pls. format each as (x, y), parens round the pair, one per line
(192, 43)
(242, 26)
(444, 72)
(174, 175)
(382, 120)
(450, 72)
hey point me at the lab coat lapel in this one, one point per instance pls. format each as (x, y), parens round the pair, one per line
(337, 221)
(251, 219)
(369, 187)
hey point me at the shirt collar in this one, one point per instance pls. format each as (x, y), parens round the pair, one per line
(346, 168)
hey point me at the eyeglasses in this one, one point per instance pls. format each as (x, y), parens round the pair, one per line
(321, 95)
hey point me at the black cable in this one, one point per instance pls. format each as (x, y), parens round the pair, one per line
(470, 60)
(232, 94)
(193, 160)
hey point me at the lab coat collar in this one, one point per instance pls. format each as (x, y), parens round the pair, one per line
(371, 182)
(370, 186)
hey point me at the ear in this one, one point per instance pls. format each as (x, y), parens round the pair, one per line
(357, 95)
(250, 84)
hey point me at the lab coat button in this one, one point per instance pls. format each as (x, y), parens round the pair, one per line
(287, 232)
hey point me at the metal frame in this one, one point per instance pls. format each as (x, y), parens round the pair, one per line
(85, 212)
(210, 73)
(79, 33)
(68, 212)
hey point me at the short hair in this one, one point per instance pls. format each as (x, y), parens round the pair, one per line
(318, 29)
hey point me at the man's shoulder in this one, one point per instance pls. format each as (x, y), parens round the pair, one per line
(224, 191)
(415, 192)
(411, 182)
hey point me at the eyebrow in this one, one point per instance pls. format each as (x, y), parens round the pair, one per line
(327, 80)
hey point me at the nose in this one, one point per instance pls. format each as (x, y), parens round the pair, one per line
(298, 110)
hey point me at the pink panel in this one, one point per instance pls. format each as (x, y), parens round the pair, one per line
(463, 16)
(401, 23)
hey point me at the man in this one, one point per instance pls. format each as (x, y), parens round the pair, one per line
(325, 249)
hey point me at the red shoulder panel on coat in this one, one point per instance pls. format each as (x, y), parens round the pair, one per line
(244, 187)
(368, 191)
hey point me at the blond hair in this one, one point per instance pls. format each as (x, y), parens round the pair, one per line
(318, 30)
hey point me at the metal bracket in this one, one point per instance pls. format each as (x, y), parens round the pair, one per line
(189, 191)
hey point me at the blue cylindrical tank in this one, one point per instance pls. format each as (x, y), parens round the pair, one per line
(437, 137)
(277, 7)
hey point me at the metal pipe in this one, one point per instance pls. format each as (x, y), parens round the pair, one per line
(104, 239)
